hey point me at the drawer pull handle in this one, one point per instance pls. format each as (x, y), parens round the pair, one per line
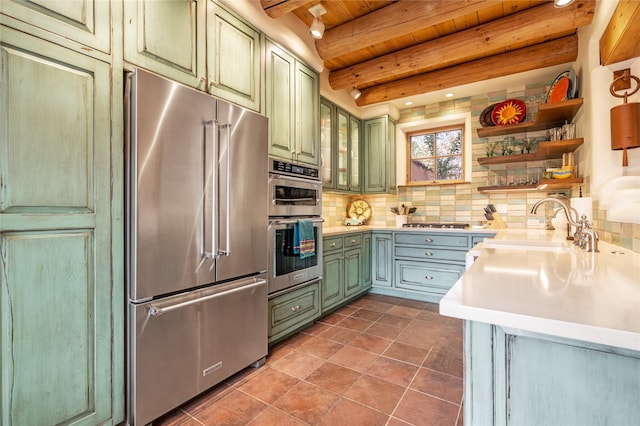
(295, 308)
(429, 277)
(428, 253)
(353, 241)
(332, 244)
(429, 240)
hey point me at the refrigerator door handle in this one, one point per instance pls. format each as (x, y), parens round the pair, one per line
(226, 251)
(156, 311)
(212, 159)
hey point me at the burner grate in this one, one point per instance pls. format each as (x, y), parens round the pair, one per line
(436, 225)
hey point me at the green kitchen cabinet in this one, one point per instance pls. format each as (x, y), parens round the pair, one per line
(381, 259)
(366, 260)
(332, 279)
(340, 147)
(87, 23)
(61, 286)
(292, 310)
(293, 107)
(200, 44)
(379, 156)
(343, 269)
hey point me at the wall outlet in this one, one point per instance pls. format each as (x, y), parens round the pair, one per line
(502, 208)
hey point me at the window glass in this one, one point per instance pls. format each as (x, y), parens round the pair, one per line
(435, 155)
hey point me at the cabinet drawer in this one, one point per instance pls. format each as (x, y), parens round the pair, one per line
(433, 239)
(294, 309)
(426, 277)
(331, 243)
(354, 240)
(427, 253)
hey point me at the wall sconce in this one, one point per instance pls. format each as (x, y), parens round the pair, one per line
(355, 93)
(317, 27)
(625, 118)
(562, 3)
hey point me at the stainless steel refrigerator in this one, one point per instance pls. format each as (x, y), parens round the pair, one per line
(196, 242)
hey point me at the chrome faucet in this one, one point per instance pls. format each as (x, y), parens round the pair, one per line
(585, 237)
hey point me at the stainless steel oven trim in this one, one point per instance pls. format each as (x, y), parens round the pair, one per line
(291, 210)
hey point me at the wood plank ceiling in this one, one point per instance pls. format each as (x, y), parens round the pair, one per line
(391, 49)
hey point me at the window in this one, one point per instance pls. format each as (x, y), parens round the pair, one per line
(435, 155)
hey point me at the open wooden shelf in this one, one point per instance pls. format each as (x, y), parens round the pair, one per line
(546, 151)
(549, 115)
(543, 185)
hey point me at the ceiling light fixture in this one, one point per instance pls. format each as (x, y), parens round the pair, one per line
(449, 95)
(562, 3)
(355, 93)
(317, 27)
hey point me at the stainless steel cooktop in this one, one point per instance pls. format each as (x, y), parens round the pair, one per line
(436, 225)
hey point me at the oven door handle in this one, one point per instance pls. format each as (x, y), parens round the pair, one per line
(291, 221)
(273, 176)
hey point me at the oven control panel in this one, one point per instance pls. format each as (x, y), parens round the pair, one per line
(279, 166)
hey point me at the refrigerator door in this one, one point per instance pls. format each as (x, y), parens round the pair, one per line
(171, 145)
(242, 188)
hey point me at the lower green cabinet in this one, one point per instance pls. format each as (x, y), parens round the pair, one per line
(381, 259)
(291, 310)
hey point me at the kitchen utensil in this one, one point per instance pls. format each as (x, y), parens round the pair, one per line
(412, 210)
(489, 216)
(492, 208)
(394, 210)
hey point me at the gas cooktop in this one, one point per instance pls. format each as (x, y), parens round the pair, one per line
(436, 225)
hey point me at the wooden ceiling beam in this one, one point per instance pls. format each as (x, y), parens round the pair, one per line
(276, 8)
(621, 39)
(542, 55)
(500, 34)
(391, 22)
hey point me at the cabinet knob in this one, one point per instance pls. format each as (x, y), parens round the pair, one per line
(295, 308)
(332, 244)
(429, 240)
(429, 277)
(428, 253)
(353, 241)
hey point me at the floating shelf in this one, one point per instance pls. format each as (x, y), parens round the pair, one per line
(546, 151)
(549, 115)
(543, 185)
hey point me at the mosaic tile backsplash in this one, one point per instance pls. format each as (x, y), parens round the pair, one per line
(463, 202)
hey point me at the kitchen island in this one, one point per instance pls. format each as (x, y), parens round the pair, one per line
(552, 333)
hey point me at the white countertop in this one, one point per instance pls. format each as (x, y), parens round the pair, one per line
(331, 230)
(593, 297)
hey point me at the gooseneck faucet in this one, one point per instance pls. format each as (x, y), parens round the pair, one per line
(585, 237)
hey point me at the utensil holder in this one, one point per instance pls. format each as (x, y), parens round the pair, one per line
(401, 219)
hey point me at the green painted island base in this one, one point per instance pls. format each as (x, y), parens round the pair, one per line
(519, 378)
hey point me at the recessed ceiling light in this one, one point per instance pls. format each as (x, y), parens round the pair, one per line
(408, 103)
(449, 95)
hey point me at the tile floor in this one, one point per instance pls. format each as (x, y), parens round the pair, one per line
(377, 361)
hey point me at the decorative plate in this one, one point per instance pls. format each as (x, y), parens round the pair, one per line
(573, 84)
(511, 111)
(485, 116)
(559, 89)
(360, 209)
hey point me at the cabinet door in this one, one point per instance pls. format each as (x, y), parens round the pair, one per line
(366, 260)
(354, 154)
(391, 156)
(87, 22)
(375, 161)
(233, 58)
(57, 314)
(352, 271)
(293, 310)
(307, 101)
(342, 150)
(381, 259)
(332, 280)
(280, 101)
(167, 37)
(327, 151)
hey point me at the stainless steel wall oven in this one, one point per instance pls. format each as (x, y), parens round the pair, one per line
(295, 192)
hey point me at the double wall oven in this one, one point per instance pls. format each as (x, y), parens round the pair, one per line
(295, 192)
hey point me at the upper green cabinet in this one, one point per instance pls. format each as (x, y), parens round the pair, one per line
(87, 22)
(340, 148)
(200, 44)
(293, 107)
(61, 291)
(379, 156)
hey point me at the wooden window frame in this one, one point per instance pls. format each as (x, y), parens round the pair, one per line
(457, 126)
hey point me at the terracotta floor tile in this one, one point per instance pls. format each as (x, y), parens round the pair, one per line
(298, 364)
(420, 334)
(347, 310)
(367, 314)
(334, 377)
(394, 321)
(370, 343)
(237, 408)
(341, 335)
(420, 409)
(296, 340)
(354, 358)
(460, 421)
(393, 371)
(277, 352)
(416, 304)
(355, 324)
(445, 361)
(316, 329)
(397, 422)
(349, 413)
(406, 353)
(269, 385)
(375, 393)
(404, 311)
(307, 402)
(378, 306)
(381, 330)
(177, 418)
(332, 319)
(438, 384)
(320, 347)
(275, 417)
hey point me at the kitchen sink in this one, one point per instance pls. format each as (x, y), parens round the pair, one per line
(553, 246)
